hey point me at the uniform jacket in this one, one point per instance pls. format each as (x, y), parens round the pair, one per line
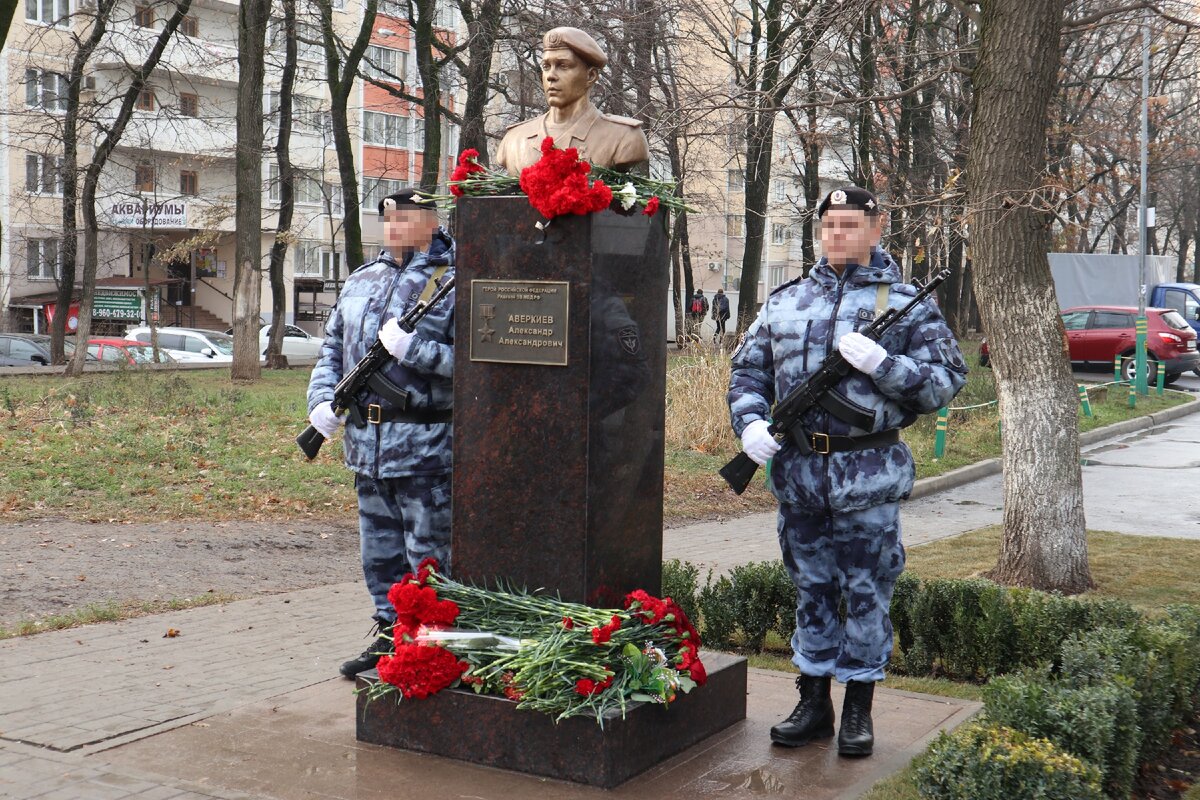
(797, 328)
(602, 139)
(720, 307)
(373, 294)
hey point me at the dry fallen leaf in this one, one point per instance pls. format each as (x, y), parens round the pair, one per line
(171, 633)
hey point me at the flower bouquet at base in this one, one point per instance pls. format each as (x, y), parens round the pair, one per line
(561, 183)
(560, 658)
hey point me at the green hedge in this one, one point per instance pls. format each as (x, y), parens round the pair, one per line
(979, 762)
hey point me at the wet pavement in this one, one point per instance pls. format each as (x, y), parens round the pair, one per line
(240, 704)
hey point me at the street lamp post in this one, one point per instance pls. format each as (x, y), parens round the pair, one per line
(1140, 365)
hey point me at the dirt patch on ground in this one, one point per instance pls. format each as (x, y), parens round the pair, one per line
(55, 566)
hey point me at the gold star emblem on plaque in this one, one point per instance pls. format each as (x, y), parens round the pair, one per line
(488, 313)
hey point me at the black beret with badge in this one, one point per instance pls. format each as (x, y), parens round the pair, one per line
(849, 197)
(405, 198)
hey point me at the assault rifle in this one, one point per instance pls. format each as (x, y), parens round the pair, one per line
(818, 391)
(357, 379)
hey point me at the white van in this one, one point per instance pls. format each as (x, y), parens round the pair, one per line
(189, 344)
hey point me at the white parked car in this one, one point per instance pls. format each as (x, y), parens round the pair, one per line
(189, 344)
(297, 343)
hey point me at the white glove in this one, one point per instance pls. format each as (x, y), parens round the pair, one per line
(324, 420)
(861, 353)
(395, 339)
(758, 443)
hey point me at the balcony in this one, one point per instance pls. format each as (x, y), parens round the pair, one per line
(126, 44)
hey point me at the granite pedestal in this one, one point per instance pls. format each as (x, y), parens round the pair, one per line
(559, 405)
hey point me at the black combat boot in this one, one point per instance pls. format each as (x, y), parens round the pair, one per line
(382, 646)
(811, 719)
(857, 736)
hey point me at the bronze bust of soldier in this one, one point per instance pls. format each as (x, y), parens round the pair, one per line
(571, 64)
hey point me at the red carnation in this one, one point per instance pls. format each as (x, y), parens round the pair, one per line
(467, 166)
(651, 207)
(588, 687)
(558, 184)
(468, 156)
(604, 633)
(420, 670)
(699, 675)
(419, 605)
(568, 623)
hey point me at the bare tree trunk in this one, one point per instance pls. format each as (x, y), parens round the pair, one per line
(283, 142)
(247, 277)
(483, 27)
(1044, 543)
(341, 68)
(91, 180)
(69, 246)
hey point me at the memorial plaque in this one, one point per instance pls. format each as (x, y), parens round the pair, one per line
(519, 322)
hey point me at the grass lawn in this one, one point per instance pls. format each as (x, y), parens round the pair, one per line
(142, 445)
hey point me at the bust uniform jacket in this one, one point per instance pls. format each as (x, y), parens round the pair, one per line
(599, 138)
(798, 327)
(373, 294)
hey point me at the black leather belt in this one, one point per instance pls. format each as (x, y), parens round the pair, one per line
(375, 414)
(824, 444)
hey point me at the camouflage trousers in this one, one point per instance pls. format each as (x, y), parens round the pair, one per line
(401, 521)
(855, 557)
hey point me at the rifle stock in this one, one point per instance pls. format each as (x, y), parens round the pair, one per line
(739, 472)
(310, 442)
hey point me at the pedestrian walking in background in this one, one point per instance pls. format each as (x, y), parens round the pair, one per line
(697, 308)
(720, 313)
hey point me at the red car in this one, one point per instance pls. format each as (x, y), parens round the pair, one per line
(1096, 335)
(124, 351)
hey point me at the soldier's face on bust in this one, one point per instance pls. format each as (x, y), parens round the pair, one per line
(407, 230)
(847, 235)
(566, 77)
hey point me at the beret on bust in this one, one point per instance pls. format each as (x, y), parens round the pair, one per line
(405, 198)
(584, 46)
(850, 197)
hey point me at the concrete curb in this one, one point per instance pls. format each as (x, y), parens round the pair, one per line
(982, 469)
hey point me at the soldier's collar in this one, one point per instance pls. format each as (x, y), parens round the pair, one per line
(579, 129)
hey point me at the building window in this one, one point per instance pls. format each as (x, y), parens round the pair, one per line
(307, 113)
(189, 105)
(43, 175)
(778, 233)
(375, 189)
(778, 274)
(47, 12)
(45, 90)
(333, 196)
(143, 16)
(145, 99)
(313, 259)
(189, 182)
(736, 180)
(43, 259)
(143, 178)
(308, 190)
(309, 41)
(778, 191)
(735, 225)
(418, 130)
(189, 26)
(389, 130)
(386, 64)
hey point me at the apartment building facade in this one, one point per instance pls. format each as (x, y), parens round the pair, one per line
(166, 199)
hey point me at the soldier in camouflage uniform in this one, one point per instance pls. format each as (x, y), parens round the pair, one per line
(398, 435)
(839, 524)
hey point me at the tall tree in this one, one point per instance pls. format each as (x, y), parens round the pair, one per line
(1044, 543)
(113, 132)
(69, 246)
(253, 16)
(287, 192)
(341, 69)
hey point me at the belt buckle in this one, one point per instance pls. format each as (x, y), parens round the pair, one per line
(821, 449)
(374, 414)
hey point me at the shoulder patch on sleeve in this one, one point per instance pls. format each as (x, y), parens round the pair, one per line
(630, 121)
(746, 336)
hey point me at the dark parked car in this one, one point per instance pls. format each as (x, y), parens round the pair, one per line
(1096, 335)
(29, 349)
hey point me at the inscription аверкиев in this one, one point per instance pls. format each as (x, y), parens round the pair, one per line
(519, 322)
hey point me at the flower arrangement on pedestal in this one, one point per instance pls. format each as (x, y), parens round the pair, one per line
(565, 659)
(560, 183)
